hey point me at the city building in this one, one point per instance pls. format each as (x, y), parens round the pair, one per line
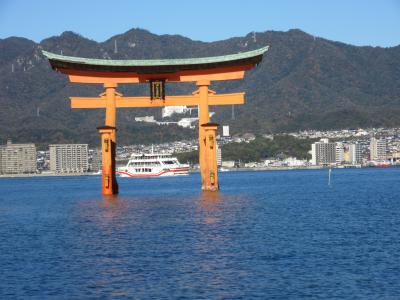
(219, 156)
(95, 160)
(377, 149)
(17, 158)
(323, 153)
(69, 158)
(339, 153)
(355, 154)
(294, 162)
(228, 164)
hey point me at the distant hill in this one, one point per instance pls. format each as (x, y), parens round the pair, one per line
(303, 82)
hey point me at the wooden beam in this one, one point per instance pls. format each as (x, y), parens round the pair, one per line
(226, 99)
(77, 76)
(102, 80)
(225, 73)
(186, 100)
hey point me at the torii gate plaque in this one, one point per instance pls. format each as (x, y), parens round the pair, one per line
(110, 73)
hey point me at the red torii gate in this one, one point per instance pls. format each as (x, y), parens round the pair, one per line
(110, 73)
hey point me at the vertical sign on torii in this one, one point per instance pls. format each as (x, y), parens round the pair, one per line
(157, 72)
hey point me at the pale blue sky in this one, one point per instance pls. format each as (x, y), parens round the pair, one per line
(367, 22)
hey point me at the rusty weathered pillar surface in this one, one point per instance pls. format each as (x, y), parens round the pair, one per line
(109, 181)
(204, 118)
(210, 178)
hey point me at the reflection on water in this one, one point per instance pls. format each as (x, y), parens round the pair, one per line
(112, 207)
(210, 204)
(264, 235)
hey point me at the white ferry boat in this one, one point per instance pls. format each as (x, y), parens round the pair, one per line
(153, 165)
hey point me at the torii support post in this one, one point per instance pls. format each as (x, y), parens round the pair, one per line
(204, 118)
(109, 181)
(210, 175)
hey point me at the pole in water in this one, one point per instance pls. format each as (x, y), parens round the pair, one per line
(329, 176)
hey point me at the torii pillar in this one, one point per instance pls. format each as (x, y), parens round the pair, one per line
(109, 185)
(210, 168)
(204, 118)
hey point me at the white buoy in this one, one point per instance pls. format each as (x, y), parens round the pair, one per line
(329, 176)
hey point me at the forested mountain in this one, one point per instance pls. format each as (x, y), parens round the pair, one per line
(303, 82)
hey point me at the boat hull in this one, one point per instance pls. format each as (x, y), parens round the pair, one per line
(162, 173)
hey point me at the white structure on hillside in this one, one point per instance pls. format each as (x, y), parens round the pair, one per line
(17, 158)
(225, 130)
(69, 158)
(146, 119)
(168, 111)
(187, 122)
(377, 149)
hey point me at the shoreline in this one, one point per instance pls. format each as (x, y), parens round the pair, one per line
(190, 171)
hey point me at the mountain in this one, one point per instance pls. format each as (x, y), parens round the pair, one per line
(304, 82)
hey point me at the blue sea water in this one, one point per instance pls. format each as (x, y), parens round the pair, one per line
(265, 235)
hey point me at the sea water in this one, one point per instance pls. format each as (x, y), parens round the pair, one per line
(265, 235)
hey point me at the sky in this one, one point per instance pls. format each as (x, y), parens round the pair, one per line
(356, 22)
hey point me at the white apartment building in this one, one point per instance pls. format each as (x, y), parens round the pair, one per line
(69, 158)
(323, 153)
(17, 158)
(355, 154)
(219, 156)
(377, 149)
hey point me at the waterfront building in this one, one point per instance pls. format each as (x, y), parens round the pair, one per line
(95, 160)
(323, 153)
(228, 164)
(294, 162)
(219, 156)
(69, 158)
(377, 149)
(17, 158)
(346, 155)
(355, 154)
(339, 153)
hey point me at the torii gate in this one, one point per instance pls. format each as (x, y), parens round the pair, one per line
(110, 73)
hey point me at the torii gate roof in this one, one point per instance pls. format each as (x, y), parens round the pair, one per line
(155, 66)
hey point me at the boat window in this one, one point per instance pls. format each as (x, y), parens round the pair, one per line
(169, 162)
